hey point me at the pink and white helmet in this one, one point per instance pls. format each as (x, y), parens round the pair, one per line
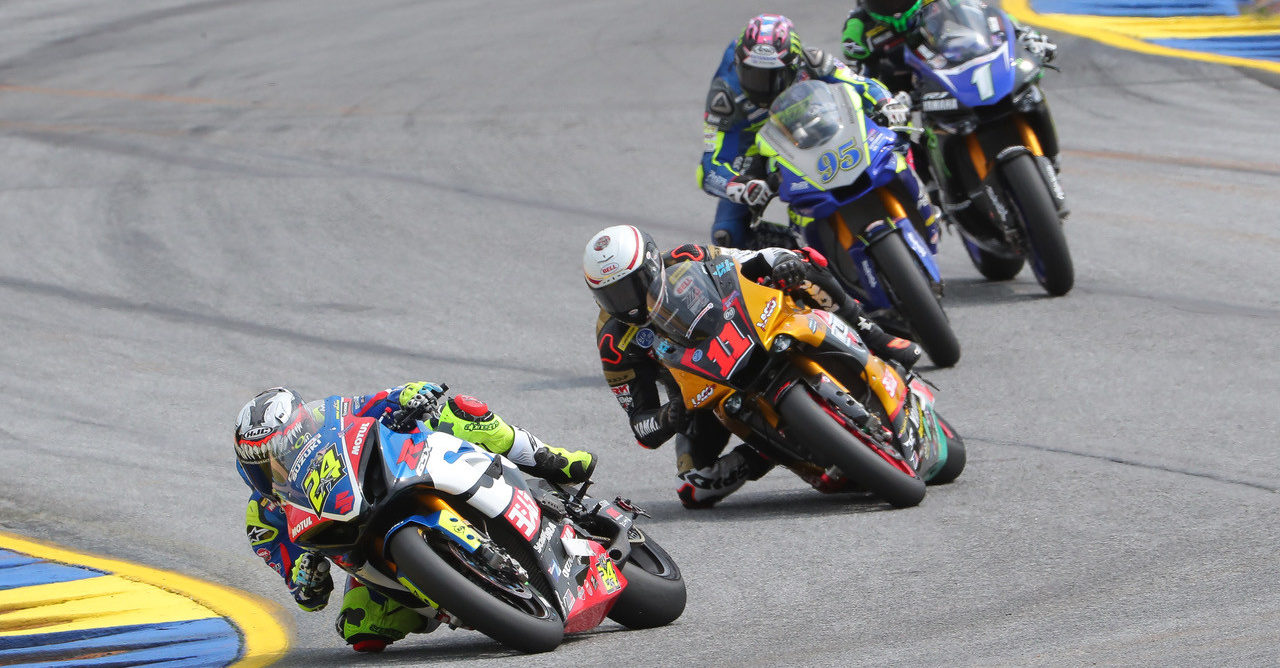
(619, 264)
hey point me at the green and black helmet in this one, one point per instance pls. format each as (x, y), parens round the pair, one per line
(899, 15)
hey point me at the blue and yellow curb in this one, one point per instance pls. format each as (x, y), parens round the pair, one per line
(1208, 30)
(64, 608)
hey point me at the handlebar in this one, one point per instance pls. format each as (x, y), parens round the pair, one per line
(405, 418)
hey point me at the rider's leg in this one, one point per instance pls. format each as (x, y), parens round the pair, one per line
(730, 226)
(705, 475)
(370, 621)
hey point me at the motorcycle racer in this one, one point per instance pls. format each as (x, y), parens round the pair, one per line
(876, 34)
(756, 67)
(619, 264)
(278, 416)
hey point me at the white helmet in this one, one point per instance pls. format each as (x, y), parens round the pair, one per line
(269, 424)
(620, 263)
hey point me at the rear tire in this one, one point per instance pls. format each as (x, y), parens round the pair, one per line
(655, 594)
(1030, 196)
(956, 456)
(820, 433)
(915, 300)
(439, 574)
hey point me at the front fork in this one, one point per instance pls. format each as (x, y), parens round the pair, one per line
(856, 246)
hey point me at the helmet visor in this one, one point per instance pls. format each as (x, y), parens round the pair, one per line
(762, 85)
(625, 298)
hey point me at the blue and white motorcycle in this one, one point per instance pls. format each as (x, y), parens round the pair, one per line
(988, 130)
(839, 168)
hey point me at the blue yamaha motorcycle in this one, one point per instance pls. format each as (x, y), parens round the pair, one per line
(841, 169)
(988, 131)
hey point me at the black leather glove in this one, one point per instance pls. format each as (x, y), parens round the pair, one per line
(789, 273)
(673, 415)
(311, 581)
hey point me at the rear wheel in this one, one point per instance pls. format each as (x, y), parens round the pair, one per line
(1050, 258)
(818, 431)
(915, 300)
(655, 593)
(495, 604)
(993, 267)
(956, 456)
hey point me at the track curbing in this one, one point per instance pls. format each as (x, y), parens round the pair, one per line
(1096, 28)
(264, 632)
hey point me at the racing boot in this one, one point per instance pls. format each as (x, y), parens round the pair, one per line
(470, 419)
(882, 344)
(369, 621)
(560, 465)
(702, 488)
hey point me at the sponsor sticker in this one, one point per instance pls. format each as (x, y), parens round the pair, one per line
(767, 313)
(683, 286)
(950, 104)
(544, 537)
(524, 514)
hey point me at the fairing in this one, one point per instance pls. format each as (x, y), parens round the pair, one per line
(967, 56)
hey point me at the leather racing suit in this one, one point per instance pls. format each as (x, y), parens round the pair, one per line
(730, 125)
(633, 372)
(876, 50)
(369, 621)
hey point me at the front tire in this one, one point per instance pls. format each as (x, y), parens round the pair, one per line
(915, 300)
(1050, 258)
(655, 594)
(821, 434)
(441, 573)
(956, 456)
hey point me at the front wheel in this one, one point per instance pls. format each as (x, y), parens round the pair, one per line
(818, 431)
(1050, 258)
(956, 456)
(915, 300)
(655, 593)
(513, 613)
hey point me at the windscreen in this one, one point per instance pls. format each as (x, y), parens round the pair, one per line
(685, 305)
(806, 113)
(958, 30)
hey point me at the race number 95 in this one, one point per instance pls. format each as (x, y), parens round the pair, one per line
(832, 163)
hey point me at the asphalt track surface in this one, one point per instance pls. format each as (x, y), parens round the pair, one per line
(202, 199)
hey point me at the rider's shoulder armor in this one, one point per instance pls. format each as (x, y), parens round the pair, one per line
(621, 345)
(724, 105)
(692, 252)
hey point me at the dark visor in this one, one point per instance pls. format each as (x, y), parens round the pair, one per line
(762, 85)
(626, 298)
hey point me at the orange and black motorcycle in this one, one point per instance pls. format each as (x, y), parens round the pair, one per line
(798, 384)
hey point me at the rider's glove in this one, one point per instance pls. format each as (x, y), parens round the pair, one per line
(1038, 44)
(749, 191)
(560, 465)
(789, 273)
(310, 581)
(672, 415)
(893, 111)
(412, 391)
